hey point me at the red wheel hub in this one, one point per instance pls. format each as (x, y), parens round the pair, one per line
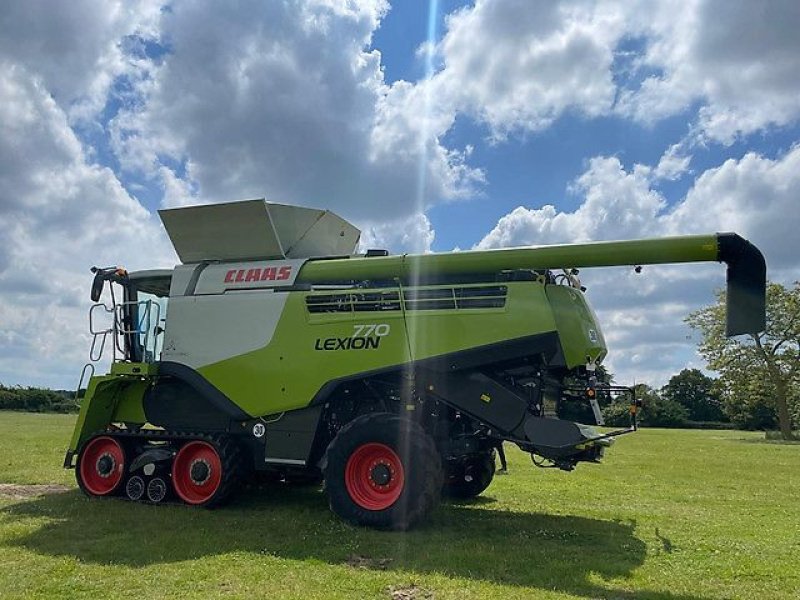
(374, 476)
(102, 466)
(197, 472)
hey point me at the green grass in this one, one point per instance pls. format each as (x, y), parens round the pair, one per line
(671, 515)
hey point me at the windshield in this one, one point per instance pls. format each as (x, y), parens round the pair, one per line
(149, 314)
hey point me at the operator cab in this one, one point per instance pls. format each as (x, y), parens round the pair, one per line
(132, 314)
(148, 295)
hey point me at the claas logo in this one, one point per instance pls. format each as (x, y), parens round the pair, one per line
(258, 274)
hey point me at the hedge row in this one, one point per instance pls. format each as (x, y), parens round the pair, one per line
(37, 400)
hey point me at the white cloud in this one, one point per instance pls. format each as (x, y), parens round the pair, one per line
(59, 215)
(756, 196)
(75, 48)
(520, 64)
(177, 191)
(674, 163)
(617, 204)
(739, 59)
(284, 101)
(517, 65)
(413, 235)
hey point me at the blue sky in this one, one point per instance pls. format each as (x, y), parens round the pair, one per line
(537, 168)
(431, 125)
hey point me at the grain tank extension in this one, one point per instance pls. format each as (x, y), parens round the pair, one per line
(276, 351)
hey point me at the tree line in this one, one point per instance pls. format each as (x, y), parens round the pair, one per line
(33, 399)
(689, 399)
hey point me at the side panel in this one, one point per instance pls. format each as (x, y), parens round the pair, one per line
(306, 351)
(201, 330)
(310, 349)
(436, 332)
(129, 403)
(290, 437)
(577, 326)
(108, 399)
(97, 407)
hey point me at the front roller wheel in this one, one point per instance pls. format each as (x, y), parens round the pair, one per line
(382, 471)
(470, 477)
(101, 466)
(205, 473)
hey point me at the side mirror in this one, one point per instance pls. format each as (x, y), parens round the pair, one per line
(97, 285)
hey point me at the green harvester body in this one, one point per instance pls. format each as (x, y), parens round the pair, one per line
(274, 333)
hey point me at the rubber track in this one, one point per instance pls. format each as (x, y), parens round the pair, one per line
(229, 452)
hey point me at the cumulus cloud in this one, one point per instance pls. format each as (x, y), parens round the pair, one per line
(413, 235)
(59, 215)
(674, 163)
(755, 196)
(739, 59)
(76, 49)
(618, 204)
(520, 65)
(284, 101)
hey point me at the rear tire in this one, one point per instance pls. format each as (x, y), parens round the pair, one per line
(382, 471)
(470, 477)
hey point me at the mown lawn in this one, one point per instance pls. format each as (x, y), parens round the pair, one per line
(672, 515)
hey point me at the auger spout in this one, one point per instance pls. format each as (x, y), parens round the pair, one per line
(746, 275)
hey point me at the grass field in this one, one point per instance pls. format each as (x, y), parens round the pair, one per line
(671, 515)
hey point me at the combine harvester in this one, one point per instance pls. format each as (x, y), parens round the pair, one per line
(392, 378)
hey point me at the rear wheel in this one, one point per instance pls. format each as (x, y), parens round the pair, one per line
(101, 466)
(470, 476)
(204, 473)
(383, 471)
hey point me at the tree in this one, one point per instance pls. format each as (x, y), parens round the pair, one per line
(766, 363)
(752, 407)
(656, 410)
(697, 392)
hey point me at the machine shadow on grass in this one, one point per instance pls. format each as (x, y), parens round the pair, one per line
(552, 552)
